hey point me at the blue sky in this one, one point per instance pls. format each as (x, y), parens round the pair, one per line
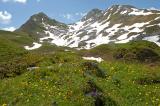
(13, 13)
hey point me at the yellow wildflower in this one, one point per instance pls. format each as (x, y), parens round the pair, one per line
(4, 104)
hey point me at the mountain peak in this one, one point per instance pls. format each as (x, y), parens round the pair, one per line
(40, 22)
(95, 10)
(39, 17)
(40, 14)
(94, 13)
(122, 6)
(114, 9)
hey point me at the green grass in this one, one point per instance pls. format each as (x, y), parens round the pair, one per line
(12, 52)
(9, 49)
(12, 44)
(63, 78)
(65, 81)
(19, 38)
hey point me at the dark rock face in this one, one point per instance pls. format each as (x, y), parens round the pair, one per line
(148, 80)
(91, 89)
(94, 91)
(92, 68)
(94, 14)
(54, 104)
(99, 102)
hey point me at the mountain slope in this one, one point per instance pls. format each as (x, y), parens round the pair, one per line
(38, 23)
(65, 79)
(11, 44)
(118, 24)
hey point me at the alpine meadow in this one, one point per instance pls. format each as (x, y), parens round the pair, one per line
(101, 57)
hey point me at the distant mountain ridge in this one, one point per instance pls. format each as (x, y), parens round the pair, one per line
(117, 24)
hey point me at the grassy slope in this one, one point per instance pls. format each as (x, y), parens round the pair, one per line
(133, 51)
(63, 78)
(19, 38)
(12, 44)
(12, 53)
(65, 82)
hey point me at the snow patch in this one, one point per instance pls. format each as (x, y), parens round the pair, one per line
(139, 12)
(77, 26)
(157, 18)
(54, 39)
(124, 12)
(124, 36)
(127, 40)
(35, 46)
(98, 59)
(154, 39)
(99, 26)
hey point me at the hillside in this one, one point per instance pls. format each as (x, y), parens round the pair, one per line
(62, 77)
(12, 44)
(117, 24)
(124, 84)
(136, 51)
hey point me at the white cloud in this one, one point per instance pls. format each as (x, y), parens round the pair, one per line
(73, 16)
(153, 8)
(81, 14)
(68, 16)
(21, 1)
(5, 17)
(9, 29)
(18, 1)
